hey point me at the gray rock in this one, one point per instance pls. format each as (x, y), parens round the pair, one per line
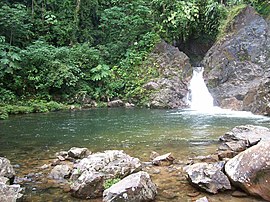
(4, 180)
(151, 86)
(208, 177)
(10, 193)
(238, 64)
(169, 89)
(90, 184)
(249, 134)
(166, 159)
(79, 153)
(116, 103)
(6, 169)
(203, 199)
(99, 166)
(250, 170)
(60, 172)
(137, 187)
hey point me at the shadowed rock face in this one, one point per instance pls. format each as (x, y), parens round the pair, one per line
(170, 89)
(238, 65)
(250, 170)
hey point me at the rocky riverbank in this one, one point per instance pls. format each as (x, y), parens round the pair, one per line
(239, 168)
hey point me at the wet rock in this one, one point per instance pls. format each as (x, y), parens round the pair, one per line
(6, 169)
(203, 199)
(78, 153)
(239, 194)
(194, 194)
(10, 193)
(99, 166)
(116, 103)
(231, 103)
(135, 187)
(250, 170)
(60, 172)
(163, 160)
(208, 177)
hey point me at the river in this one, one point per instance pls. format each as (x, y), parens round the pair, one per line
(29, 141)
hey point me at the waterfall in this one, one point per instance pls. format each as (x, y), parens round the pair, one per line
(199, 97)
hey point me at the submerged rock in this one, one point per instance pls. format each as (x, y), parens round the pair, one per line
(250, 170)
(90, 172)
(208, 177)
(135, 187)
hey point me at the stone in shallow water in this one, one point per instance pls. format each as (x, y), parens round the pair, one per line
(91, 172)
(6, 168)
(135, 187)
(79, 153)
(166, 159)
(60, 172)
(208, 177)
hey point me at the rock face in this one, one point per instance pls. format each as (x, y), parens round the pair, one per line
(250, 170)
(238, 65)
(89, 174)
(208, 177)
(169, 90)
(137, 187)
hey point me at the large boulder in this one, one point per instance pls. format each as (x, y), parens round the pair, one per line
(208, 177)
(90, 173)
(137, 187)
(169, 89)
(250, 170)
(238, 65)
(250, 134)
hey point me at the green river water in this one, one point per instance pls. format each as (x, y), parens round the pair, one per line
(29, 141)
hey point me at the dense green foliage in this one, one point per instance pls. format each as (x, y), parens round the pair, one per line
(55, 50)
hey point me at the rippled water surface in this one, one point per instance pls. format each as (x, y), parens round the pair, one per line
(29, 140)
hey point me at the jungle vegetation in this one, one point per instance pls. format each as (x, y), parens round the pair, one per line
(54, 51)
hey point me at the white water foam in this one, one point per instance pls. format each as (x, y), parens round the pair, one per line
(199, 96)
(201, 101)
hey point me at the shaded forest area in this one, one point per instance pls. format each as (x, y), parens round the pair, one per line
(59, 50)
